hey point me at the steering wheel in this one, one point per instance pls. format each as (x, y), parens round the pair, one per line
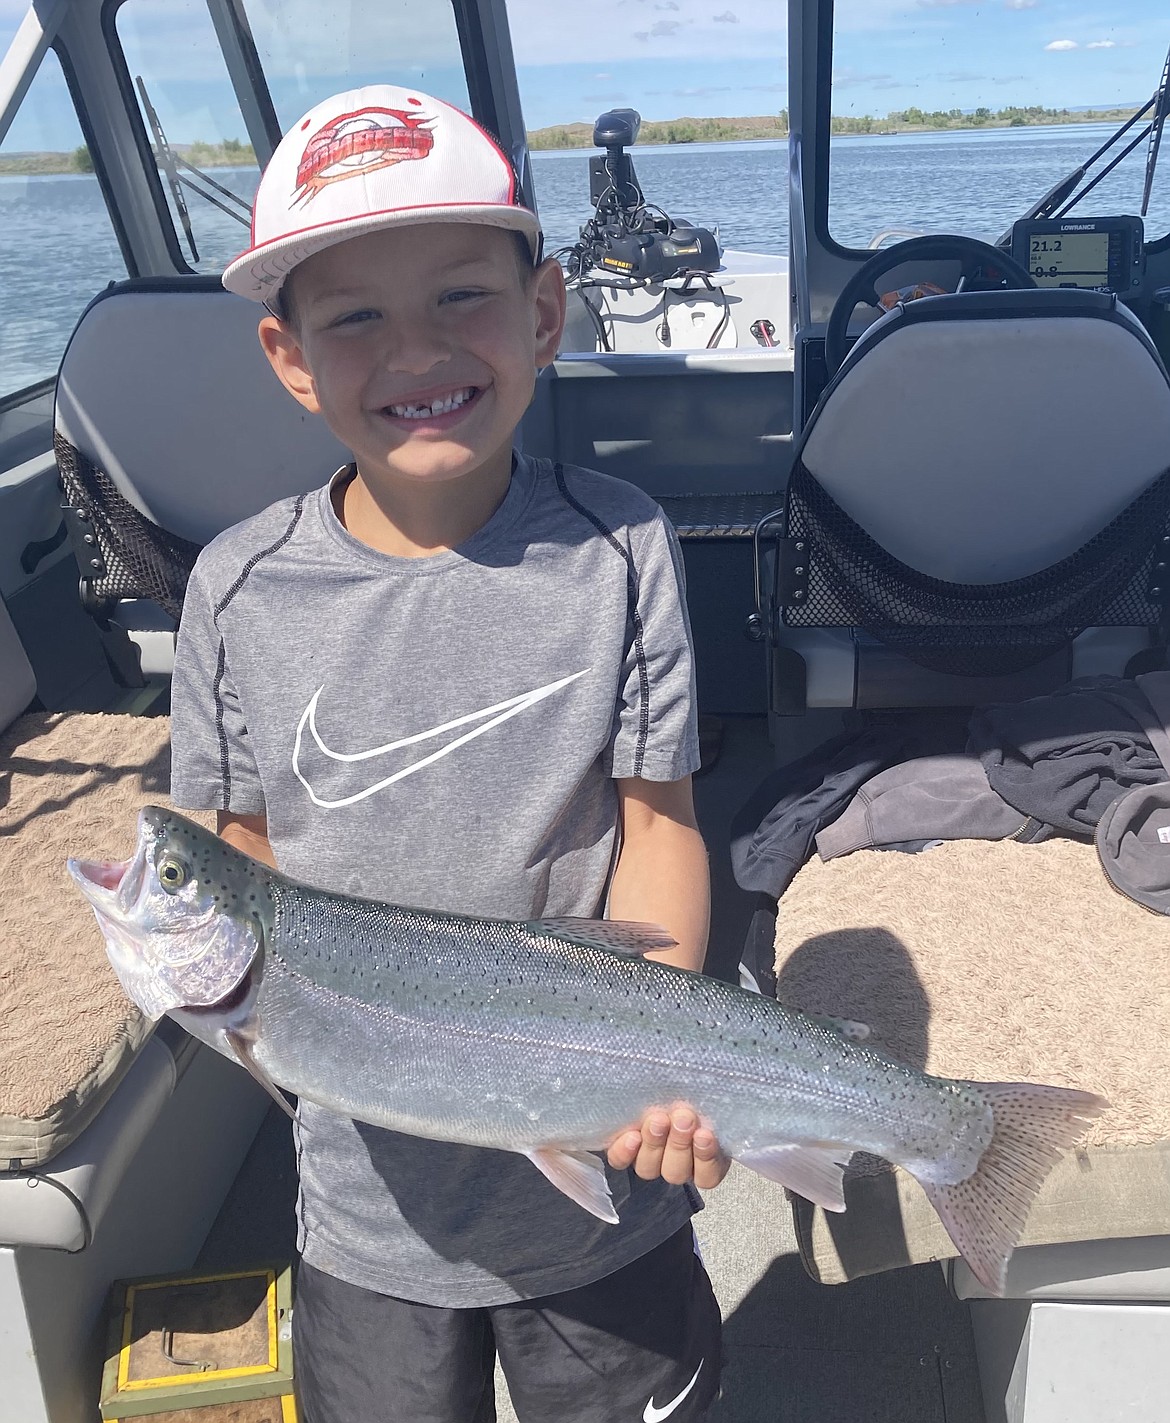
(862, 285)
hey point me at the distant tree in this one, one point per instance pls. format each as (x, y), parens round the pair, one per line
(81, 160)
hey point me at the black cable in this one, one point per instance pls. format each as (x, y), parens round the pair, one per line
(595, 317)
(664, 328)
(606, 342)
(724, 319)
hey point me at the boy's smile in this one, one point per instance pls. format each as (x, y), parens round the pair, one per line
(433, 411)
(419, 346)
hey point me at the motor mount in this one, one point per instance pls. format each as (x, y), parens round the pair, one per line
(626, 237)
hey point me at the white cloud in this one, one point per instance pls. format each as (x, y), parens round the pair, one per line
(698, 92)
(855, 78)
(1020, 4)
(660, 29)
(1060, 45)
(1102, 44)
(727, 18)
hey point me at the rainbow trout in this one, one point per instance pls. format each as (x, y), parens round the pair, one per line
(548, 1038)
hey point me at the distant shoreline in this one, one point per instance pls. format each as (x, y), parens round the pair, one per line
(234, 154)
(913, 120)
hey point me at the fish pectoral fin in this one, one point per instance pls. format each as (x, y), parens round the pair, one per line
(617, 935)
(814, 1172)
(241, 1045)
(580, 1175)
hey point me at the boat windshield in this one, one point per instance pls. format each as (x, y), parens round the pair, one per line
(950, 117)
(203, 143)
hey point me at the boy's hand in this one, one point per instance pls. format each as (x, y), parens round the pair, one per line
(673, 1145)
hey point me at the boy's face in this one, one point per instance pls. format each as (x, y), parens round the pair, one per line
(419, 346)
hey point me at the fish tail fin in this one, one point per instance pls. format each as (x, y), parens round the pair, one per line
(1032, 1127)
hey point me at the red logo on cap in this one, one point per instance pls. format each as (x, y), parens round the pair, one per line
(359, 143)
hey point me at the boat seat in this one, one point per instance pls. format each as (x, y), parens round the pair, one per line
(117, 1145)
(60, 1205)
(995, 960)
(168, 412)
(986, 478)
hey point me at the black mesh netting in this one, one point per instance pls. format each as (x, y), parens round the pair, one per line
(141, 559)
(972, 629)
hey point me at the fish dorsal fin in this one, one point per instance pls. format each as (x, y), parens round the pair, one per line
(580, 1175)
(814, 1172)
(617, 935)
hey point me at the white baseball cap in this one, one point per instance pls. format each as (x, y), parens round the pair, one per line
(382, 156)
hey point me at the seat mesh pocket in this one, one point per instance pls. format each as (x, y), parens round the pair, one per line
(138, 558)
(972, 629)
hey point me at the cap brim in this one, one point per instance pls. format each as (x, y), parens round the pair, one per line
(260, 272)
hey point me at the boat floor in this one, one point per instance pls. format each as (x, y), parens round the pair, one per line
(894, 1348)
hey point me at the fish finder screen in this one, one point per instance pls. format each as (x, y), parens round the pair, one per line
(1069, 259)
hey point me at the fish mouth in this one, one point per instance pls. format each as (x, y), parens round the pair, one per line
(112, 887)
(102, 874)
(101, 881)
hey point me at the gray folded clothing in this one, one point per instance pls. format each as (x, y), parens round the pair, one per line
(931, 798)
(1133, 841)
(1066, 757)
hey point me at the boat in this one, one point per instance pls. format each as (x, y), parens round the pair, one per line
(719, 380)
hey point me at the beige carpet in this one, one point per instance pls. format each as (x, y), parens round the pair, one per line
(1001, 962)
(70, 784)
(992, 960)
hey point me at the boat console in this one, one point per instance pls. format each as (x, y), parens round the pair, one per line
(1101, 254)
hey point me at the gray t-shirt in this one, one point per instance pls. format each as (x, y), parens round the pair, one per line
(444, 732)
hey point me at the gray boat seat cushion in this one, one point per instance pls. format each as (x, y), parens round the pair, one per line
(1001, 962)
(988, 445)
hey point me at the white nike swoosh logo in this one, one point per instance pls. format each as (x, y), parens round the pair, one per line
(654, 1415)
(487, 718)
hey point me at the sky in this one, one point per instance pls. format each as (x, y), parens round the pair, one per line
(666, 58)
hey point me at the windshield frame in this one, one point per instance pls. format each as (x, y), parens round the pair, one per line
(146, 153)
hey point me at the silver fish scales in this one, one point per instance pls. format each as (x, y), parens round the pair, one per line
(548, 1038)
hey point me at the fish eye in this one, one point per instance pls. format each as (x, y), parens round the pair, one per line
(171, 874)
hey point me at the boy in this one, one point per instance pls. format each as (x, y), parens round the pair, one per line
(459, 678)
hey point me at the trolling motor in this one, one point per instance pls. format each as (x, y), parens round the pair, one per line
(627, 237)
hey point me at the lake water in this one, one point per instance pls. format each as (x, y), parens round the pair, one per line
(57, 248)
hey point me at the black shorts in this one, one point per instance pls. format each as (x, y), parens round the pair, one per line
(642, 1344)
